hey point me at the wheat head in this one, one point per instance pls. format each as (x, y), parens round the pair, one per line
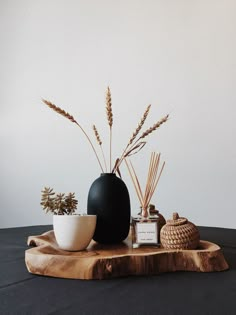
(97, 135)
(109, 107)
(140, 125)
(154, 127)
(59, 110)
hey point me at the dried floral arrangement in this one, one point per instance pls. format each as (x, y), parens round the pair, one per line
(153, 178)
(58, 203)
(135, 144)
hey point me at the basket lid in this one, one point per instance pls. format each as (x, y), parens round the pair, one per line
(177, 220)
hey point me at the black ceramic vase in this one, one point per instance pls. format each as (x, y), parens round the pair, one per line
(108, 198)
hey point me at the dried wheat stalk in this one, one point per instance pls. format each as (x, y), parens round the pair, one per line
(97, 135)
(135, 149)
(133, 145)
(71, 118)
(154, 127)
(100, 144)
(140, 125)
(109, 118)
(117, 167)
(59, 110)
(144, 134)
(109, 107)
(135, 181)
(134, 135)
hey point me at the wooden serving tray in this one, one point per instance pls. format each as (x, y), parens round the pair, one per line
(110, 261)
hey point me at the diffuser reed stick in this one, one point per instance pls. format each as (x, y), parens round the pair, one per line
(153, 178)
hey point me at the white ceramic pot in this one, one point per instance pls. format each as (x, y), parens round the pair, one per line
(74, 232)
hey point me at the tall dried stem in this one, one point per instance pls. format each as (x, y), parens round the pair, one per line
(99, 141)
(72, 119)
(153, 128)
(134, 135)
(140, 139)
(109, 118)
(140, 125)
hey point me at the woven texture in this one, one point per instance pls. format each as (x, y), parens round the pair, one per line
(179, 233)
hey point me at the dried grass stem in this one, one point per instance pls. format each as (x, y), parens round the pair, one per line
(71, 118)
(109, 107)
(140, 125)
(134, 135)
(132, 145)
(153, 128)
(97, 135)
(109, 118)
(99, 141)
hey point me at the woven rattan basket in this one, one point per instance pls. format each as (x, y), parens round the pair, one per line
(179, 233)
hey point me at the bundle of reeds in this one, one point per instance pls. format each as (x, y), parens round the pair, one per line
(153, 178)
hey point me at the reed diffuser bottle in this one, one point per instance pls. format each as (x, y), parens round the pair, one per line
(146, 230)
(146, 225)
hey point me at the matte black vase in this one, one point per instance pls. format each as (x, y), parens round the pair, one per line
(108, 198)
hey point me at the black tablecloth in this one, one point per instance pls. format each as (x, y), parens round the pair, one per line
(169, 293)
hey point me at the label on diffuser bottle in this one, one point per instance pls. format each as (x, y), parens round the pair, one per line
(146, 232)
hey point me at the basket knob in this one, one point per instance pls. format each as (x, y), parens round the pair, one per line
(175, 216)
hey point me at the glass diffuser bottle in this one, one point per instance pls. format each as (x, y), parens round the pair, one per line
(145, 226)
(145, 230)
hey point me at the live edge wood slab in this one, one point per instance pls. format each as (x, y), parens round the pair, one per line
(110, 261)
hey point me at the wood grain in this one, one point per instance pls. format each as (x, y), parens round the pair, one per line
(110, 261)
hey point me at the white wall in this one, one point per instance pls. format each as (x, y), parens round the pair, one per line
(178, 55)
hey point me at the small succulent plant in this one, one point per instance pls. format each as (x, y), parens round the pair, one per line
(58, 203)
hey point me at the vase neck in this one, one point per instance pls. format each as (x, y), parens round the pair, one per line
(108, 174)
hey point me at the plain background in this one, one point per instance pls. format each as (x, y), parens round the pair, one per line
(178, 55)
